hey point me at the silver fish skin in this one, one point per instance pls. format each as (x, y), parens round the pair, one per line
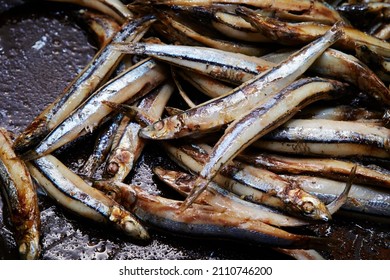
(329, 131)
(206, 221)
(124, 155)
(361, 198)
(220, 111)
(20, 197)
(74, 194)
(101, 149)
(231, 67)
(92, 76)
(142, 78)
(270, 114)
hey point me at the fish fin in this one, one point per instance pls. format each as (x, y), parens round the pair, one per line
(200, 185)
(339, 201)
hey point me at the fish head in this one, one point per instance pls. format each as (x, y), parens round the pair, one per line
(163, 129)
(315, 209)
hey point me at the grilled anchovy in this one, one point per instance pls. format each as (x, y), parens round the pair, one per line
(71, 192)
(141, 78)
(328, 131)
(207, 221)
(126, 152)
(329, 168)
(224, 200)
(220, 111)
(301, 9)
(21, 198)
(231, 67)
(270, 114)
(361, 198)
(304, 32)
(93, 75)
(101, 149)
(327, 149)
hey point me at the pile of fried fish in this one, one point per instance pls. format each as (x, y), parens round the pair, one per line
(275, 111)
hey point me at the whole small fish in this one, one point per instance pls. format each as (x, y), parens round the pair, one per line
(74, 194)
(20, 197)
(134, 83)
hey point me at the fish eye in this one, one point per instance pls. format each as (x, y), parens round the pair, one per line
(308, 207)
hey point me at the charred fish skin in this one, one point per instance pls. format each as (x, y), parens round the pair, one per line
(219, 111)
(71, 192)
(272, 113)
(141, 78)
(21, 198)
(93, 75)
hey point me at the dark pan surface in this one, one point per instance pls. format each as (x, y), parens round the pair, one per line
(42, 48)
